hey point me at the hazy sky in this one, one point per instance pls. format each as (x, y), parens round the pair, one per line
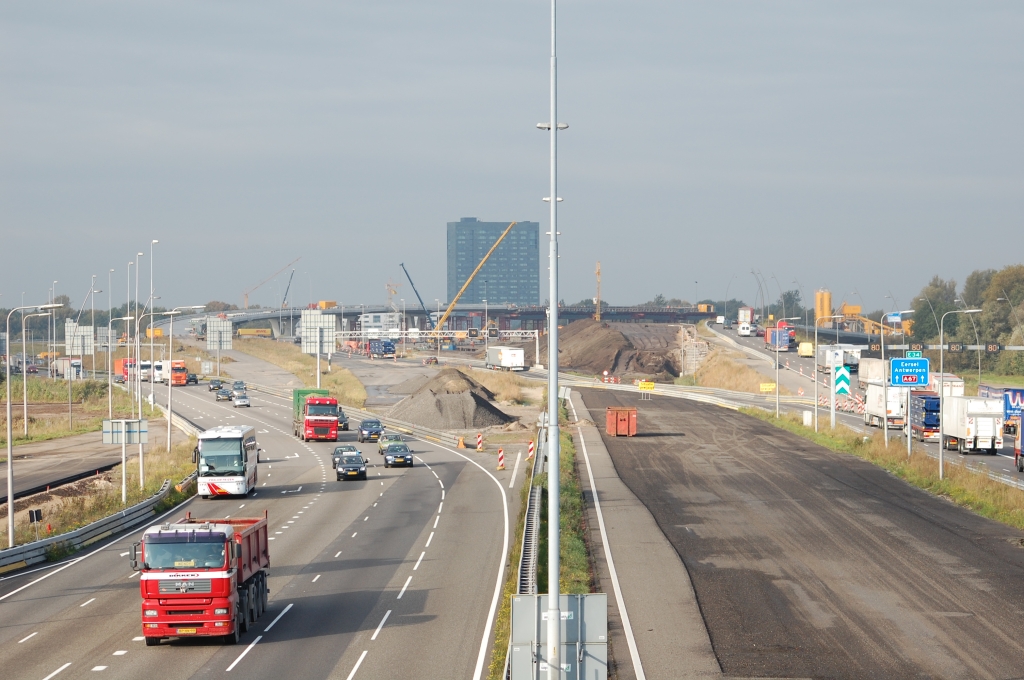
(855, 146)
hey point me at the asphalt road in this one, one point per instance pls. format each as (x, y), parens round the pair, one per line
(808, 563)
(426, 544)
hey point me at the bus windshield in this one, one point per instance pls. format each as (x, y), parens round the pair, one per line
(220, 458)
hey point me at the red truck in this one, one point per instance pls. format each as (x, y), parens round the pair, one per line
(122, 366)
(202, 577)
(315, 416)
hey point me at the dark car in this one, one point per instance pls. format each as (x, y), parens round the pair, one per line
(32, 368)
(215, 385)
(191, 379)
(238, 385)
(398, 454)
(223, 394)
(343, 450)
(119, 378)
(369, 431)
(342, 419)
(351, 467)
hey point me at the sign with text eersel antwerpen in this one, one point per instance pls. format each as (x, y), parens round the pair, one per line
(908, 372)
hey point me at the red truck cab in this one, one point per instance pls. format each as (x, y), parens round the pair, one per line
(202, 577)
(320, 421)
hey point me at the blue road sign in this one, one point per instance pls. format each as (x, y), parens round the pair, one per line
(908, 372)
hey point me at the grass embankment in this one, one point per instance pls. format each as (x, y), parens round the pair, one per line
(344, 386)
(967, 489)
(89, 407)
(720, 369)
(507, 386)
(61, 515)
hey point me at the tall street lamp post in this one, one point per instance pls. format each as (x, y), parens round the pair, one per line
(10, 429)
(886, 374)
(151, 332)
(170, 360)
(942, 384)
(24, 375)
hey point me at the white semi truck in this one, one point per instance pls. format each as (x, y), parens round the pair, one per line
(502, 358)
(875, 408)
(972, 424)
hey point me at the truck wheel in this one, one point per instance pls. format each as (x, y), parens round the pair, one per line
(233, 637)
(152, 641)
(243, 612)
(264, 591)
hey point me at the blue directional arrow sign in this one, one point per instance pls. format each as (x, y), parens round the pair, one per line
(842, 380)
(908, 372)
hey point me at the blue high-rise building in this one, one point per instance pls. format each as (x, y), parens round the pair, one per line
(511, 275)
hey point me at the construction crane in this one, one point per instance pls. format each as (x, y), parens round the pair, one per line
(422, 306)
(284, 300)
(451, 305)
(597, 300)
(392, 288)
(245, 295)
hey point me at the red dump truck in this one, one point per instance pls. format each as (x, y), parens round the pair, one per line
(202, 577)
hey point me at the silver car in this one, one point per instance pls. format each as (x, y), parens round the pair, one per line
(242, 400)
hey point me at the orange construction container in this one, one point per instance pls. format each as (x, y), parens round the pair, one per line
(620, 421)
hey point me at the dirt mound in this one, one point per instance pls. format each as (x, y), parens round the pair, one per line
(590, 346)
(410, 386)
(451, 400)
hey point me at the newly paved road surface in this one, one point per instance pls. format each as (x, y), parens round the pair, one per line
(808, 563)
(426, 544)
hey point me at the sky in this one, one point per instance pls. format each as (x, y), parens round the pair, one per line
(860, 147)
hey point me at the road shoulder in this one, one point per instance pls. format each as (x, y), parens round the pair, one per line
(670, 634)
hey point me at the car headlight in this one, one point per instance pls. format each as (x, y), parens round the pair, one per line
(149, 612)
(362, 469)
(221, 610)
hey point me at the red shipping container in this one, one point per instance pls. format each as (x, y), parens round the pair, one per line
(620, 421)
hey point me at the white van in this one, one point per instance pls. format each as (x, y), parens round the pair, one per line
(744, 330)
(160, 371)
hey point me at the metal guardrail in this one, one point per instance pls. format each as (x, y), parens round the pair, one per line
(531, 525)
(35, 552)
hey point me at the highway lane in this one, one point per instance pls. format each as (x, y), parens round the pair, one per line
(808, 563)
(342, 553)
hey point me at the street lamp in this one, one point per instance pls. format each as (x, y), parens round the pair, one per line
(727, 297)
(404, 326)
(832, 397)
(790, 318)
(437, 331)
(885, 377)
(1013, 311)
(110, 370)
(170, 360)
(10, 429)
(51, 331)
(151, 334)
(485, 324)
(942, 386)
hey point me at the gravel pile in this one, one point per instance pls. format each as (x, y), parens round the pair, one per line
(451, 400)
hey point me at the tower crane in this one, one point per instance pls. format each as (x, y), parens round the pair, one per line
(245, 295)
(451, 305)
(284, 300)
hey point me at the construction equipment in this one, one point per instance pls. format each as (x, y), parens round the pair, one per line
(597, 300)
(469, 279)
(422, 306)
(392, 288)
(245, 295)
(284, 300)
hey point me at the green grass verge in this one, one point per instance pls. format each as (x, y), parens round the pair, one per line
(574, 568)
(971, 490)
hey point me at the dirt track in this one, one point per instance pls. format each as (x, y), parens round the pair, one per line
(808, 563)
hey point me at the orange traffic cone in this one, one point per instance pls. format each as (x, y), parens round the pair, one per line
(462, 443)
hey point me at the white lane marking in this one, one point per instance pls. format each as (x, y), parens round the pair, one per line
(366, 518)
(99, 668)
(407, 581)
(434, 473)
(419, 560)
(354, 534)
(121, 652)
(271, 538)
(278, 618)
(485, 639)
(336, 556)
(374, 505)
(123, 554)
(138, 638)
(441, 483)
(381, 625)
(439, 507)
(41, 578)
(634, 653)
(356, 667)
(57, 671)
(515, 469)
(436, 519)
(442, 494)
(135, 574)
(242, 655)
(29, 637)
(316, 578)
(430, 538)
(241, 506)
(87, 602)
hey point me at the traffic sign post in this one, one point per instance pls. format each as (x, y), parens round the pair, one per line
(914, 354)
(842, 380)
(908, 372)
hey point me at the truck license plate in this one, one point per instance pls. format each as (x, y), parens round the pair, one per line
(186, 631)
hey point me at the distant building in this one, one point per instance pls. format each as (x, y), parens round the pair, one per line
(511, 275)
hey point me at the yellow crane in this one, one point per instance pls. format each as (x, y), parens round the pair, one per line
(245, 295)
(469, 280)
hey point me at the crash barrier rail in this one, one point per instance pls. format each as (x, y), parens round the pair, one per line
(36, 551)
(182, 423)
(426, 433)
(531, 524)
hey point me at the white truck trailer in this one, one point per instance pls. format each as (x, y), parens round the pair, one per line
(502, 358)
(972, 424)
(875, 408)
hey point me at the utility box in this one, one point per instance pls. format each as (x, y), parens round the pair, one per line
(620, 421)
(584, 636)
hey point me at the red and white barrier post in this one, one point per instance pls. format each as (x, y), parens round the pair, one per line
(501, 459)
(530, 455)
(479, 442)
